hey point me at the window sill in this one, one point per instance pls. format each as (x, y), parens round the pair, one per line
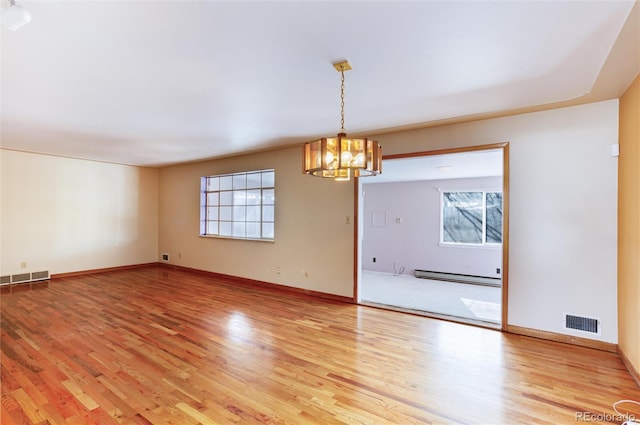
(470, 246)
(235, 238)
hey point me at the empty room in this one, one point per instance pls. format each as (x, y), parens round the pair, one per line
(195, 195)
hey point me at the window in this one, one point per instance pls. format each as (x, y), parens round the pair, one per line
(238, 205)
(471, 218)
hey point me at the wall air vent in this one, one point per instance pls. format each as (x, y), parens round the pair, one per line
(40, 275)
(19, 278)
(585, 324)
(24, 277)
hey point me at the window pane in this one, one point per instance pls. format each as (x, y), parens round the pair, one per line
(212, 198)
(239, 197)
(239, 229)
(225, 213)
(253, 230)
(494, 217)
(267, 230)
(253, 180)
(268, 179)
(239, 181)
(267, 213)
(226, 182)
(268, 196)
(253, 213)
(212, 227)
(226, 198)
(213, 184)
(225, 228)
(253, 197)
(212, 213)
(462, 217)
(239, 213)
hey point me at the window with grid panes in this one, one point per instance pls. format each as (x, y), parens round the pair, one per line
(238, 205)
(471, 218)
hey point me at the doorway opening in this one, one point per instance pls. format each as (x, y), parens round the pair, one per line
(432, 235)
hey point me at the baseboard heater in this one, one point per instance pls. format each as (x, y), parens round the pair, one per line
(24, 278)
(460, 278)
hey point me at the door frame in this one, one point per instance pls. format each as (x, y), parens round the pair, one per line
(505, 218)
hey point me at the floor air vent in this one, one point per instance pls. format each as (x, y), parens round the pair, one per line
(586, 324)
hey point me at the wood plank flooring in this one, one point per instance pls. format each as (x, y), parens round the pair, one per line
(165, 346)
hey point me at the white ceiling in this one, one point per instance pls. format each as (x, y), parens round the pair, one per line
(160, 82)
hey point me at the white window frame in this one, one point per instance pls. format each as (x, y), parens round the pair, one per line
(238, 205)
(484, 242)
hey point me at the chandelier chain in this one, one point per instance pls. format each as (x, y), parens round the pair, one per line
(342, 101)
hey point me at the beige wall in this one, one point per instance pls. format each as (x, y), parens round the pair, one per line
(65, 215)
(563, 216)
(629, 226)
(563, 202)
(311, 234)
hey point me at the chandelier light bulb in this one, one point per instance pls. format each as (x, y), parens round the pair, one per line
(330, 158)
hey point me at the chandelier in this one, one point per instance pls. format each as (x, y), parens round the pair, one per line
(341, 157)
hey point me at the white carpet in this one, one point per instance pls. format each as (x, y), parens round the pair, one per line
(475, 302)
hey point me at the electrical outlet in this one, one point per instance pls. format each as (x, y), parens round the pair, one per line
(165, 257)
(374, 259)
(23, 265)
(277, 269)
(498, 270)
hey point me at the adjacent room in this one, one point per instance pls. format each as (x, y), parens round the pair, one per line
(432, 236)
(202, 205)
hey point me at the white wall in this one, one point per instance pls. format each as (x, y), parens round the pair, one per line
(563, 197)
(414, 243)
(65, 215)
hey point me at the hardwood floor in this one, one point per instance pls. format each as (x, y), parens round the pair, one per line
(164, 346)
